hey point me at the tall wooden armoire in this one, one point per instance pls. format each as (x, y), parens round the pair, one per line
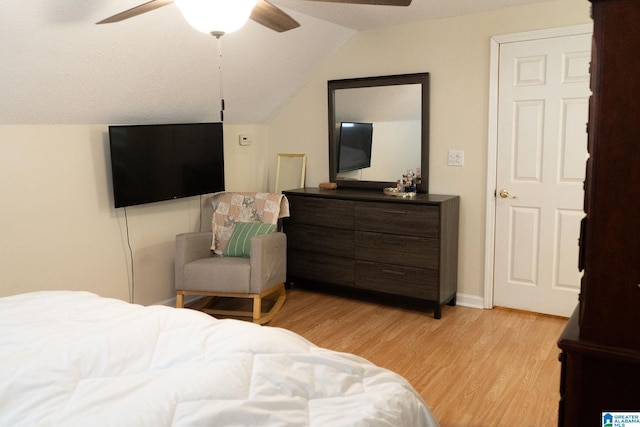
(601, 343)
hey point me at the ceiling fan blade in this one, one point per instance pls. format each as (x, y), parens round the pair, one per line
(375, 2)
(272, 17)
(135, 11)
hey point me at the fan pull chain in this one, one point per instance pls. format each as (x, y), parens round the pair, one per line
(219, 39)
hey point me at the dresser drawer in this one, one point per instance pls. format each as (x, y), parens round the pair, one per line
(323, 240)
(321, 212)
(317, 267)
(411, 251)
(398, 218)
(397, 280)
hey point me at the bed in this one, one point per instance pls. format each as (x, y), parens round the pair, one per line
(77, 359)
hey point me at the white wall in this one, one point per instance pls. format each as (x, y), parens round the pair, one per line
(59, 227)
(455, 51)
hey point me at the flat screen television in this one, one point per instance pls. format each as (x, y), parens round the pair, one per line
(152, 163)
(354, 146)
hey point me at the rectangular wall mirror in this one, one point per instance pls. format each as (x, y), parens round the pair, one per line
(378, 130)
(290, 171)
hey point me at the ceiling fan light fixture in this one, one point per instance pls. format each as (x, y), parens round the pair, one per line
(216, 16)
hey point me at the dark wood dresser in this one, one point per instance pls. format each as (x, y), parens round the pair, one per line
(601, 343)
(367, 240)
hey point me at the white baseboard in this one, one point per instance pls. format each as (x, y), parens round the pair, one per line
(472, 301)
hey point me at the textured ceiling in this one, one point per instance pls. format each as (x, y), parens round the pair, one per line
(59, 67)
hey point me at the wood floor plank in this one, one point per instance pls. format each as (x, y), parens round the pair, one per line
(475, 368)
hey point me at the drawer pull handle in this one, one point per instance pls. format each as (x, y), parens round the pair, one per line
(395, 212)
(396, 273)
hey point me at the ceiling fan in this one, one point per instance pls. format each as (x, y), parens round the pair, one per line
(263, 12)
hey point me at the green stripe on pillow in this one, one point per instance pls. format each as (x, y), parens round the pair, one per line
(239, 245)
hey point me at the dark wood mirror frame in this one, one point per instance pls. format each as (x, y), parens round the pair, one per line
(365, 82)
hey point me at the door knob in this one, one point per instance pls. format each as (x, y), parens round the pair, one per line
(504, 193)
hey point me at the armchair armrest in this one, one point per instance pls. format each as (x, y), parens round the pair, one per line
(190, 247)
(268, 261)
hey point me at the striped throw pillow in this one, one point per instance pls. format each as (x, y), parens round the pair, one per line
(239, 245)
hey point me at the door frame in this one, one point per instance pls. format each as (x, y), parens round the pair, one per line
(492, 141)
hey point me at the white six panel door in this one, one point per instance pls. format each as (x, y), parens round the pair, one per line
(542, 147)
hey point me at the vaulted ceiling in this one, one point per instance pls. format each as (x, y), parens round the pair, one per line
(57, 66)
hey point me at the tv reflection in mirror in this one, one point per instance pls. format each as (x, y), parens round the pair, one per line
(354, 146)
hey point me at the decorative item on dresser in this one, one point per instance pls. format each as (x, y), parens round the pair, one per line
(601, 344)
(367, 240)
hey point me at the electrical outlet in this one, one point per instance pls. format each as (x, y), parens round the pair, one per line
(456, 158)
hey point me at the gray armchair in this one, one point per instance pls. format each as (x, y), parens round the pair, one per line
(199, 271)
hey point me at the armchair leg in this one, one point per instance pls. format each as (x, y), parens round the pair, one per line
(257, 308)
(179, 299)
(282, 296)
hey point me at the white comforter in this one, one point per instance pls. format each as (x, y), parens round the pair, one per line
(76, 359)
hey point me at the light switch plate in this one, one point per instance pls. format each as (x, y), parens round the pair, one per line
(456, 158)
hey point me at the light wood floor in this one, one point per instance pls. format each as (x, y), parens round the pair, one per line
(474, 368)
